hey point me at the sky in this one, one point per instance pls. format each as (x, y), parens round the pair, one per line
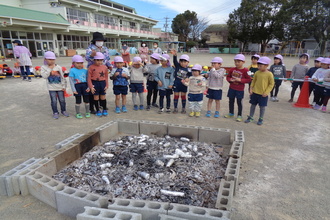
(215, 11)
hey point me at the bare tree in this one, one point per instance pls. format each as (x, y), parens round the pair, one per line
(198, 28)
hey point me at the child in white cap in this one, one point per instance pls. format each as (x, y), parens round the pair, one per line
(279, 71)
(98, 83)
(136, 82)
(78, 82)
(196, 84)
(56, 83)
(262, 84)
(237, 77)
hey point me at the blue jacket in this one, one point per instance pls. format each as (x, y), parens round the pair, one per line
(120, 80)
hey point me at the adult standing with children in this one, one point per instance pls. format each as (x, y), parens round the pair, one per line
(143, 51)
(97, 45)
(23, 56)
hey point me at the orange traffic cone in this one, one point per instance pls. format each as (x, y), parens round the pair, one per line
(67, 94)
(303, 99)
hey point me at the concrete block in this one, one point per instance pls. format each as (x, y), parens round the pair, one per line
(44, 187)
(214, 135)
(153, 128)
(236, 150)
(225, 195)
(108, 131)
(87, 142)
(67, 141)
(168, 217)
(127, 126)
(232, 171)
(93, 213)
(49, 168)
(6, 187)
(239, 136)
(148, 209)
(197, 213)
(71, 201)
(187, 131)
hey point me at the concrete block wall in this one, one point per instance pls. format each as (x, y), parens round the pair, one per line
(236, 150)
(148, 209)
(225, 195)
(127, 126)
(108, 131)
(232, 171)
(168, 217)
(214, 135)
(197, 213)
(187, 131)
(93, 213)
(71, 201)
(9, 181)
(67, 141)
(153, 128)
(44, 187)
(239, 136)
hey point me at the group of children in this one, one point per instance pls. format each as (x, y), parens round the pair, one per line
(163, 79)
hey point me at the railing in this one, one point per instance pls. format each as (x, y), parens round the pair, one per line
(128, 29)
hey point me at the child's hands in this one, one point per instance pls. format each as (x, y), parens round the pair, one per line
(251, 91)
(170, 87)
(92, 90)
(173, 52)
(264, 95)
(116, 74)
(76, 93)
(199, 84)
(87, 90)
(182, 80)
(315, 80)
(124, 75)
(105, 88)
(238, 79)
(160, 83)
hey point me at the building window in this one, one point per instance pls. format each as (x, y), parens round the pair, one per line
(74, 14)
(145, 27)
(132, 25)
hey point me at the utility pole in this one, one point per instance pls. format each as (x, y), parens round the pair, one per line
(166, 26)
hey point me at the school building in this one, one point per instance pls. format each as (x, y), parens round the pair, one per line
(63, 25)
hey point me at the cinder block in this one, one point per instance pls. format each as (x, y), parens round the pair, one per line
(148, 209)
(197, 213)
(239, 136)
(108, 131)
(214, 135)
(67, 141)
(92, 213)
(187, 131)
(236, 150)
(232, 171)
(44, 187)
(225, 195)
(168, 217)
(153, 128)
(49, 168)
(6, 187)
(127, 126)
(71, 201)
(87, 142)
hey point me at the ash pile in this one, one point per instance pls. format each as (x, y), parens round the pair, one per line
(150, 168)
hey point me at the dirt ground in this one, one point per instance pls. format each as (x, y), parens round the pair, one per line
(284, 172)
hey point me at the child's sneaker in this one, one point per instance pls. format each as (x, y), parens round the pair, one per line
(65, 114)
(216, 114)
(175, 111)
(260, 121)
(105, 113)
(148, 108)
(161, 110)
(290, 100)
(168, 110)
(141, 107)
(229, 115)
(324, 109)
(183, 111)
(316, 107)
(79, 116)
(248, 120)
(276, 99)
(239, 118)
(197, 114)
(135, 108)
(88, 115)
(117, 110)
(208, 114)
(123, 109)
(98, 113)
(56, 115)
(155, 105)
(191, 114)
(272, 99)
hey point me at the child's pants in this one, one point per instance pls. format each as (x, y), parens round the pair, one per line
(53, 98)
(196, 106)
(162, 94)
